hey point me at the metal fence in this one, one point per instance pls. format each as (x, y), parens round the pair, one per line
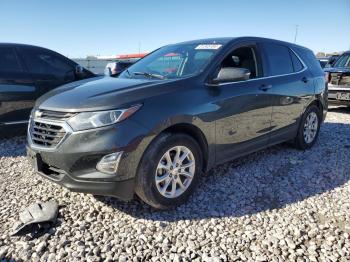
(96, 66)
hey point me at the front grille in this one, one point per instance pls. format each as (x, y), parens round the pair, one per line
(46, 134)
(53, 115)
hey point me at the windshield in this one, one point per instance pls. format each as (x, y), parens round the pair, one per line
(343, 61)
(172, 62)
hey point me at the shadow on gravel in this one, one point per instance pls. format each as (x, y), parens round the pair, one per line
(12, 147)
(266, 180)
(339, 109)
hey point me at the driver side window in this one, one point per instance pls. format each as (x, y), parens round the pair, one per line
(42, 62)
(243, 57)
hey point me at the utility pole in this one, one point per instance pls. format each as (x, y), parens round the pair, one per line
(296, 33)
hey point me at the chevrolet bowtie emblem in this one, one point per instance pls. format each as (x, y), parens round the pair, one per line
(38, 114)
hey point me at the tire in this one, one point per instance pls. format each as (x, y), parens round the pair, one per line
(155, 165)
(302, 141)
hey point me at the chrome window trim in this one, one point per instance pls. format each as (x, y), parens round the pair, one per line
(266, 77)
(63, 124)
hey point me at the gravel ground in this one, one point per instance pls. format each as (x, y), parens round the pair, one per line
(275, 205)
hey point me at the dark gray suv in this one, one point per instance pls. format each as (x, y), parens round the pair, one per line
(175, 114)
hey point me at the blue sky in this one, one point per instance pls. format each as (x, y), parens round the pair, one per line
(77, 28)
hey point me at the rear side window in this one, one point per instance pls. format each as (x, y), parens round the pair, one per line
(279, 59)
(40, 61)
(9, 61)
(310, 60)
(297, 65)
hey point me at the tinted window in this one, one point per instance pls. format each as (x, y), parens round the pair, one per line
(279, 59)
(40, 61)
(310, 60)
(297, 65)
(343, 61)
(8, 60)
(123, 66)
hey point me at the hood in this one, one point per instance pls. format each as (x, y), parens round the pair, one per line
(101, 93)
(337, 70)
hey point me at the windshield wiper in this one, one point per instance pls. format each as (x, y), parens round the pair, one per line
(149, 75)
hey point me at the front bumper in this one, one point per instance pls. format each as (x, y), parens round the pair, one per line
(73, 163)
(121, 189)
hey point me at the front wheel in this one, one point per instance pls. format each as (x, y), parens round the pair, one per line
(169, 171)
(309, 128)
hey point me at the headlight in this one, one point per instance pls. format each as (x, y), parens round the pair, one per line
(88, 120)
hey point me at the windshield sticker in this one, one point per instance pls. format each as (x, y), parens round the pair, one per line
(213, 46)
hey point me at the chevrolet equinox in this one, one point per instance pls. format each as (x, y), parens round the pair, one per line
(175, 114)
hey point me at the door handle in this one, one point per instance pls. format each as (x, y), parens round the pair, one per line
(265, 87)
(304, 79)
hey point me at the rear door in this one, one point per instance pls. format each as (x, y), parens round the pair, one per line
(17, 89)
(48, 69)
(291, 89)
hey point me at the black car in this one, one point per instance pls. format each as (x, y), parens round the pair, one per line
(27, 72)
(174, 115)
(339, 81)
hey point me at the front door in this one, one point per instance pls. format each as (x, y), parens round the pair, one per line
(17, 89)
(245, 108)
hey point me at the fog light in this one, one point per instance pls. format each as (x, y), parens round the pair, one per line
(109, 163)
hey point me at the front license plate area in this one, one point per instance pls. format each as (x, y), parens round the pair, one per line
(343, 96)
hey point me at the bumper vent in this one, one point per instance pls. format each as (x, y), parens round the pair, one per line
(46, 134)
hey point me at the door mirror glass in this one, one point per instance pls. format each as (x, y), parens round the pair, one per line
(231, 74)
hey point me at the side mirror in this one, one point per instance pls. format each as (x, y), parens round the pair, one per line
(107, 71)
(231, 74)
(79, 69)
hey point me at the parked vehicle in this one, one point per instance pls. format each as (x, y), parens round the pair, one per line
(339, 81)
(175, 114)
(117, 67)
(332, 59)
(323, 61)
(27, 72)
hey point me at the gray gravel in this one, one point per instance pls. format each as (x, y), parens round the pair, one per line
(275, 205)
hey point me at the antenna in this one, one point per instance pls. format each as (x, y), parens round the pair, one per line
(296, 33)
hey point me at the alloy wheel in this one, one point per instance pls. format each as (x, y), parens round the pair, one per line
(175, 171)
(310, 127)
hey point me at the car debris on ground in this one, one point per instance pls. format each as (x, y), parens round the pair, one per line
(36, 214)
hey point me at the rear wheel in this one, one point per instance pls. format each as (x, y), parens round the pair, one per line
(169, 171)
(309, 128)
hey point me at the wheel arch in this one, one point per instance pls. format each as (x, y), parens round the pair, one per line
(196, 134)
(317, 103)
